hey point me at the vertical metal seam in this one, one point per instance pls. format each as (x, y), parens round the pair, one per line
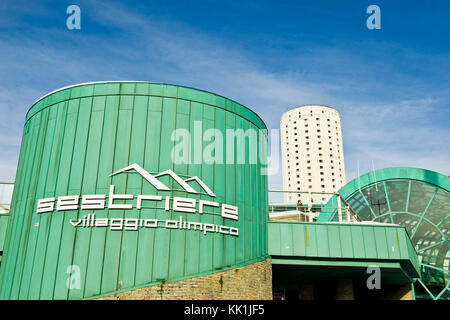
(31, 213)
(126, 188)
(68, 184)
(96, 184)
(173, 192)
(235, 189)
(55, 191)
(55, 187)
(82, 180)
(108, 212)
(142, 187)
(201, 175)
(187, 171)
(158, 169)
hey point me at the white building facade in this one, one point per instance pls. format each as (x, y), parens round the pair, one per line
(312, 153)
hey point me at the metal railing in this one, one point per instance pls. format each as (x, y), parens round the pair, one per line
(6, 190)
(298, 206)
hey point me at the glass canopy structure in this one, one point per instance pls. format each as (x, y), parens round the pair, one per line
(417, 199)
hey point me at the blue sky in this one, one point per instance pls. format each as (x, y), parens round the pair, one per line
(391, 86)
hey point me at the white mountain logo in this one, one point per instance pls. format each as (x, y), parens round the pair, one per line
(161, 186)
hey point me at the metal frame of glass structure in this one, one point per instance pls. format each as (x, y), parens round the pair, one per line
(417, 199)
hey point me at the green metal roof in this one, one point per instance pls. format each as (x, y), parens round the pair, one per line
(306, 251)
(417, 199)
(145, 88)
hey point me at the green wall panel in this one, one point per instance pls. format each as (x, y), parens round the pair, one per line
(338, 242)
(75, 139)
(4, 219)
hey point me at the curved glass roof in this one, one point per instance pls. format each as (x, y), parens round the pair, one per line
(417, 199)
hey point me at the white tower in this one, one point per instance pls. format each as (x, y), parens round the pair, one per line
(311, 152)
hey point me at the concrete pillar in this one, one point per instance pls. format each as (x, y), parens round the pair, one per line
(399, 293)
(405, 293)
(339, 205)
(306, 292)
(343, 290)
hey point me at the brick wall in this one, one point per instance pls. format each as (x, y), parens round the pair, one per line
(253, 282)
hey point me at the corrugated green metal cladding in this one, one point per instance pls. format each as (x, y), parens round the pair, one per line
(99, 205)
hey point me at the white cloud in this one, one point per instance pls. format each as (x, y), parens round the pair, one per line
(391, 131)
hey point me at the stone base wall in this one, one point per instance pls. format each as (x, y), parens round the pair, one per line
(252, 282)
(403, 292)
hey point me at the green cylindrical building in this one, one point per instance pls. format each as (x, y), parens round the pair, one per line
(101, 208)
